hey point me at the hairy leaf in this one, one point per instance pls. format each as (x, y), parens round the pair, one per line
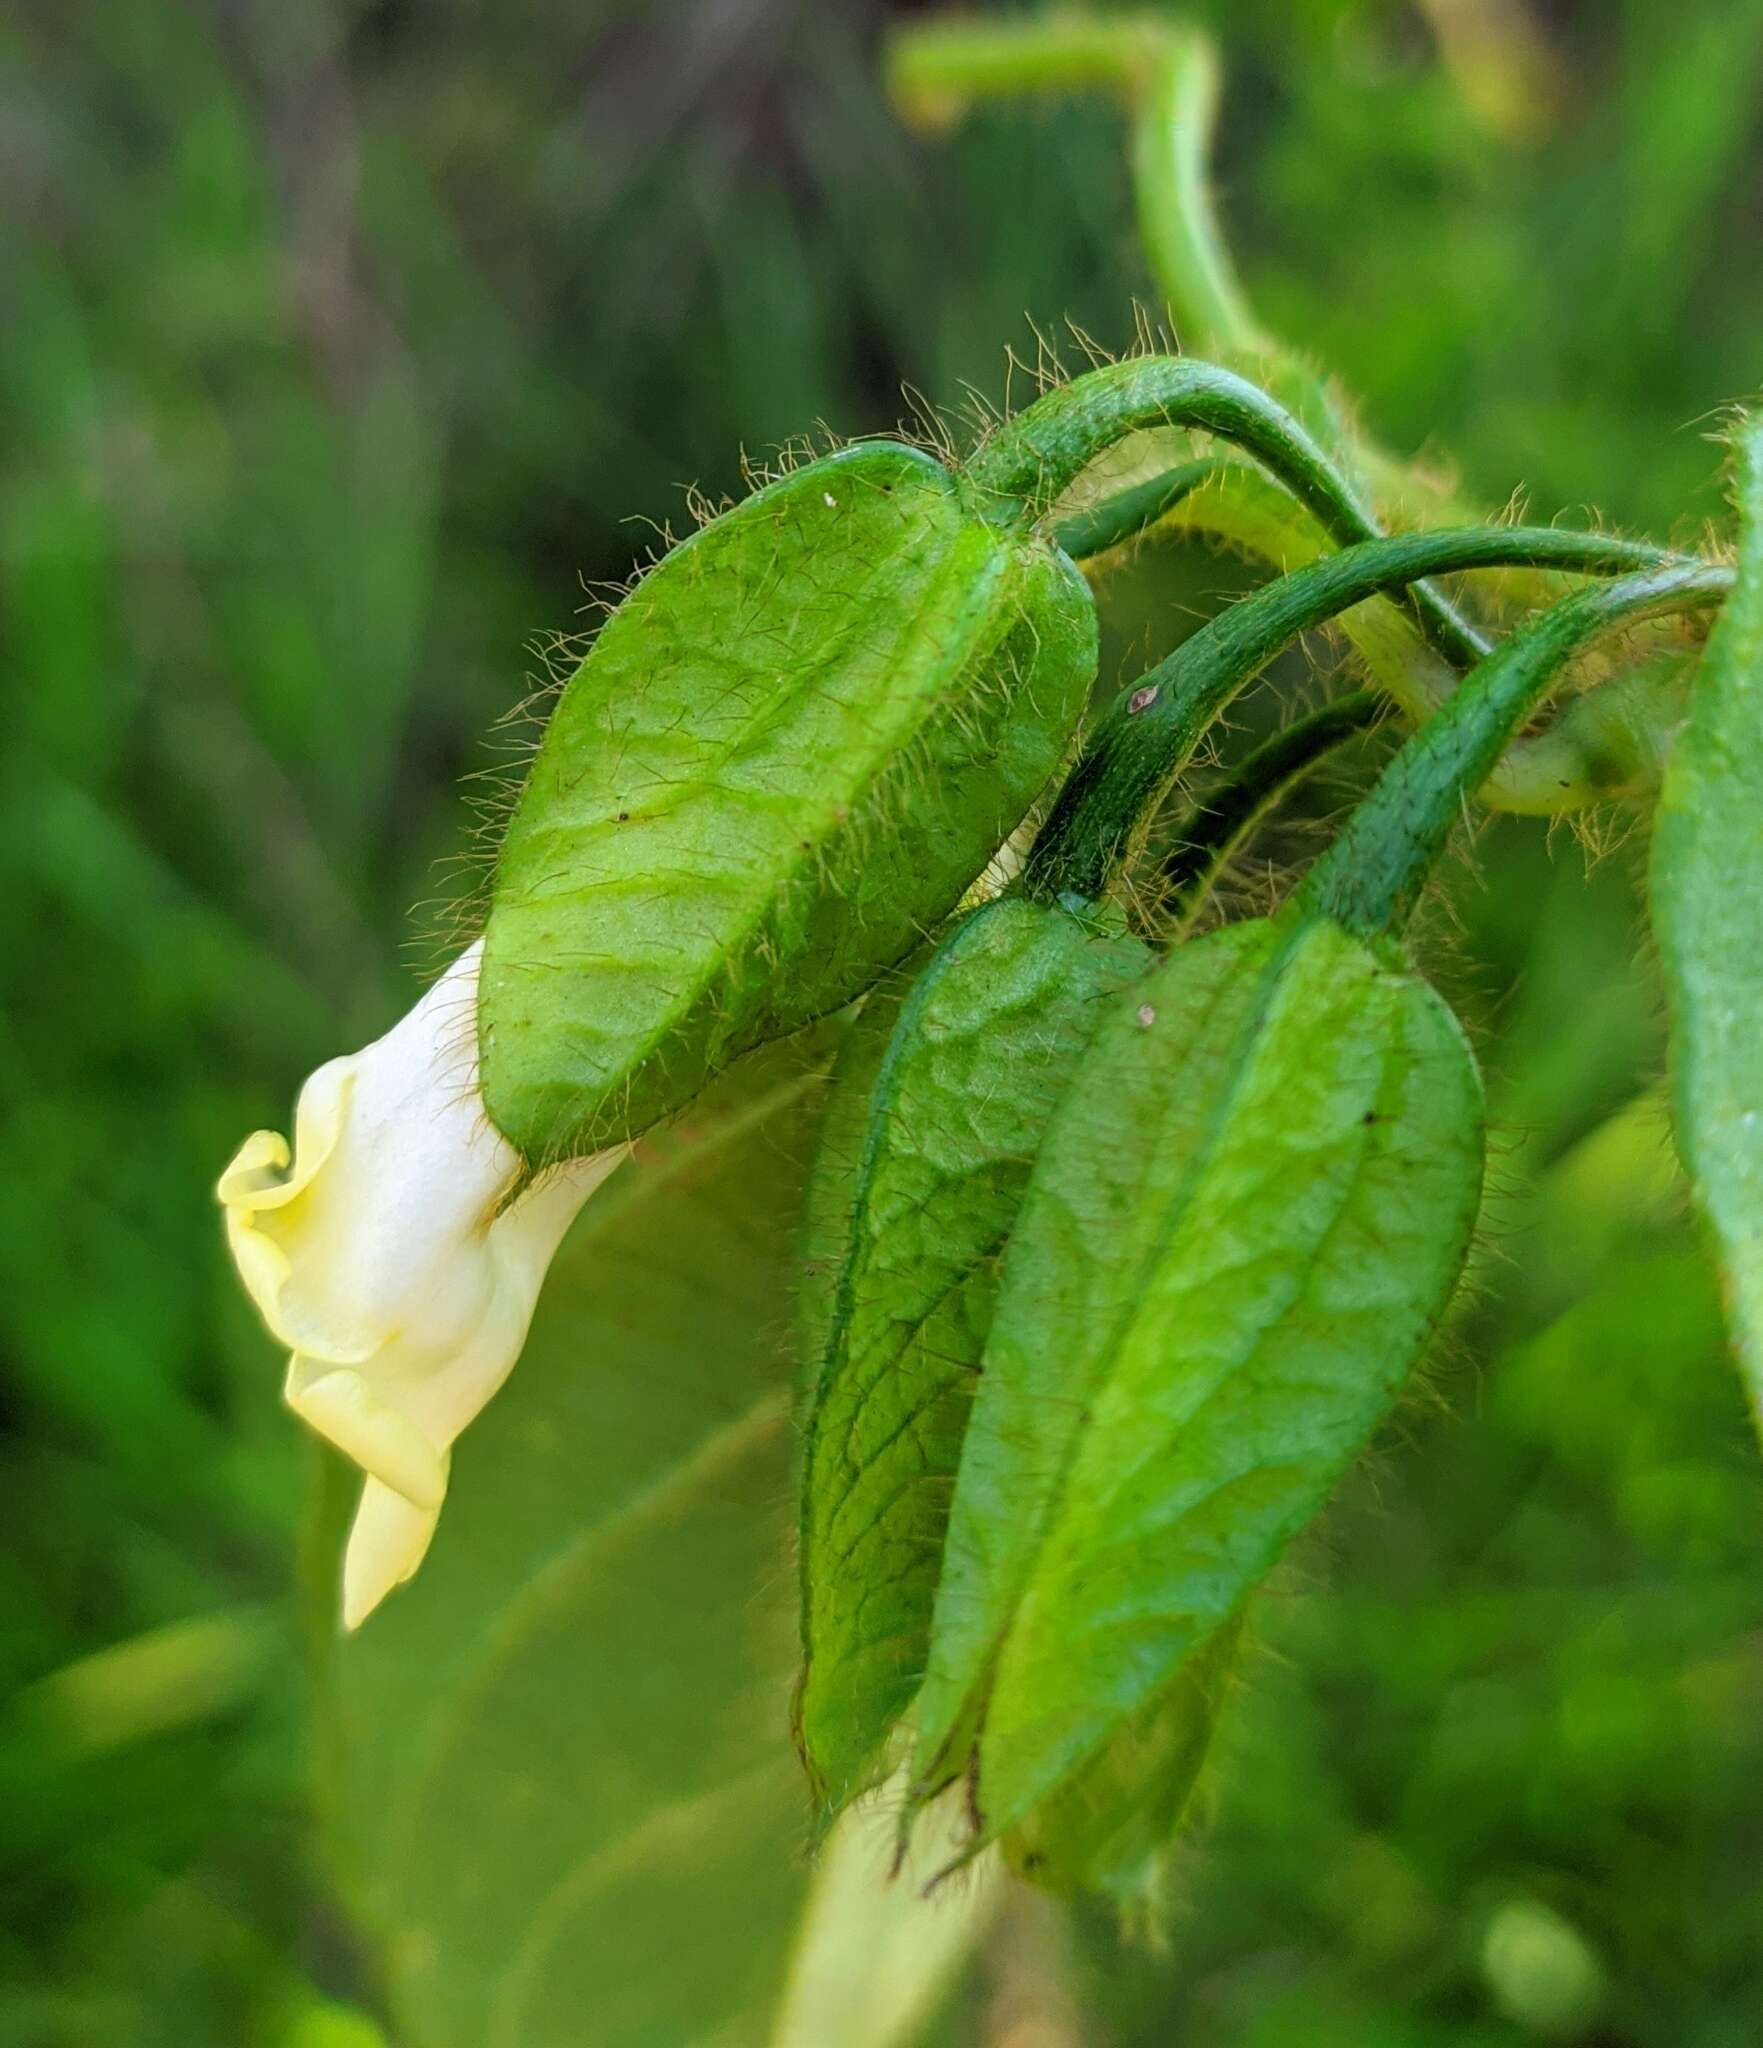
(831, 1196)
(1707, 893)
(953, 1111)
(1110, 1826)
(789, 751)
(1248, 1216)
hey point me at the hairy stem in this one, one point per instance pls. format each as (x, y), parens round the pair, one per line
(1371, 877)
(1151, 735)
(1031, 460)
(1212, 830)
(1608, 742)
(1112, 521)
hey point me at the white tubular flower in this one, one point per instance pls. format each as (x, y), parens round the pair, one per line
(379, 1251)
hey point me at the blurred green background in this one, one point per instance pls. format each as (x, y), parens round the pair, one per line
(343, 350)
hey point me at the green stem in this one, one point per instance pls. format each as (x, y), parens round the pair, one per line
(936, 70)
(1168, 78)
(1605, 743)
(1372, 876)
(1172, 128)
(1151, 735)
(1032, 460)
(1216, 826)
(1112, 521)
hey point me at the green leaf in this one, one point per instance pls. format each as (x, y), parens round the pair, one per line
(1109, 1802)
(566, 1741)
(1110, 1826)
(1248, 1216)
(789, 751)
(831, 1196)
(953, 1108)
(1707, 898)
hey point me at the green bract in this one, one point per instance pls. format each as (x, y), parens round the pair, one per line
(1248, 1215)
(1707, 857)
(956, 1087)
(789, 751)
(1111, 1825)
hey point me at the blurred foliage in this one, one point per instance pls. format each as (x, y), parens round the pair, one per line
(340, 346)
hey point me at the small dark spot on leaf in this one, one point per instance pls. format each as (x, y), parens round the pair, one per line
(1140, 698)
(624, 817)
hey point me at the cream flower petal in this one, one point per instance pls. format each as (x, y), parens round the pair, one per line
(388, 1539)
(382, 1250)
(341, 1404)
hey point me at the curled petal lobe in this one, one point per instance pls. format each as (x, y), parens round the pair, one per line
(389, 1539)
(383, 1249)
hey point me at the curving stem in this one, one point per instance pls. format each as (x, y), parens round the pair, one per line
(1371, 877)
(1167, 75)
(1152, 733)
(1032, 460)
(1213, 828)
